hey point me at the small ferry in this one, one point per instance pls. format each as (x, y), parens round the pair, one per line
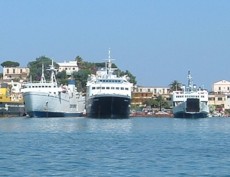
(190, 102)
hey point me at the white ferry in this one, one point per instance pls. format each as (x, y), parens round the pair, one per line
(191, 102)
(107, 95)
(47, 99)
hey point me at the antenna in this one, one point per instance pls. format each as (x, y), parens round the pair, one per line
(43, 79)
(53, 72)
(189, 80)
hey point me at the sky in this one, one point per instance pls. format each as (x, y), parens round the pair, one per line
(158, 41)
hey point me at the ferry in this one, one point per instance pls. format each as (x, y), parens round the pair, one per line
(48, 99)
(190, 102)
(108, 95)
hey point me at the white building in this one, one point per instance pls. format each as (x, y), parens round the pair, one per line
(154, 90)
(222, 86)
(69, 67)
(10, 73)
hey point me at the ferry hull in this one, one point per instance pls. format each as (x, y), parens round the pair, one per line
(41, 114)
(41, 104)
(190, 115)
(108, 106)
(192, 108)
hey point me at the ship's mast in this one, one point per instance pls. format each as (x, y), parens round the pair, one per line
(190, 84)
(52, 76)
(108, 65)
(43, 79)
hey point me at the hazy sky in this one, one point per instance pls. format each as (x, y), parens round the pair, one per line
(156, 40)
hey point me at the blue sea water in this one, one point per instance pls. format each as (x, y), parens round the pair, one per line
(99, 147)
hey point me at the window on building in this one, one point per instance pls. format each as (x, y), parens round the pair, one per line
(219, 88)
(220, 99)
(14, 71)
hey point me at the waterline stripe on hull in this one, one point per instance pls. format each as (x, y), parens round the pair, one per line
(53, 114)
(190, 115)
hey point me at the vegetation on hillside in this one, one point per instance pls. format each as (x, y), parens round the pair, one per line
(36, 68)
(81, 76)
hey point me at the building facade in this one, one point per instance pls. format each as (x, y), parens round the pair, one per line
(222, 86)
(140, 94)
(11, 73)
(69, 67)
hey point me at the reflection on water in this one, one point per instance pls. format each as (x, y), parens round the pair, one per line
(117, 125)
(53, 125)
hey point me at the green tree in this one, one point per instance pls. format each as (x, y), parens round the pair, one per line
(62, 77)
(81, 78)
(175, 85)
(79, 61)
(36, 68)
(10, 64)
(161, 102)
(158, 102)
(151, 102)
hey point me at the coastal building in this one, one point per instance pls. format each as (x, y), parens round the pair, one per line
(140, 94)
(219, 97)
(69, 67)
(222, 86)
(11, 73)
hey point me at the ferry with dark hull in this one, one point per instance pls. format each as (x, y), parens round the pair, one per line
(191, 102)
(108, 96)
